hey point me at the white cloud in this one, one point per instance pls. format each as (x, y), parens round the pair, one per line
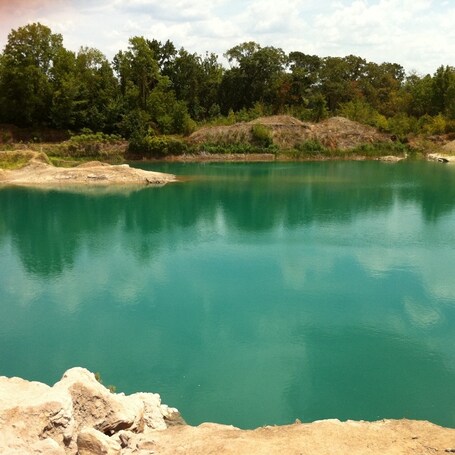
(418, 34)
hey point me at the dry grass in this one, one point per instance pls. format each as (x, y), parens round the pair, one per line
(336, 133)
(449, 148)
(17, 159)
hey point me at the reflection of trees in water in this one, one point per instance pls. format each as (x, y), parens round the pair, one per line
(49, 227)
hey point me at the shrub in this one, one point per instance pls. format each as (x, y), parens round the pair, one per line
(238, 147)
(89, 145)
(401, 125)
(151, 146)
(310, 147)
(262, 136)
(382, 149)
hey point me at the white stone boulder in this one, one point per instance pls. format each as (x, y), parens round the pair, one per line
(77, 415)
(93, 442)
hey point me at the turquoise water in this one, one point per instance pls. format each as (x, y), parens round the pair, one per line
(249, 294)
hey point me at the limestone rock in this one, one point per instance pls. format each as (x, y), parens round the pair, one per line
(93, 442)
(96, 407)
(76, 414)
(155, 414)
(31, 411)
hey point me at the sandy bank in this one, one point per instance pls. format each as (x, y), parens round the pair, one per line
(78, 415)
(39, 173)
(442, 157)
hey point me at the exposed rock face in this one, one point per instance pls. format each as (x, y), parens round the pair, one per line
(91, 441)
(77, 413)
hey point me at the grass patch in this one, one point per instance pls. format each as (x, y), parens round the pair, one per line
(379, 149)
(90, 146)
(18, 159)
(151, 146)
(235, 148)
(309, 149)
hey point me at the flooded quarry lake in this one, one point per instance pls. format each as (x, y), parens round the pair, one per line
(246, 294)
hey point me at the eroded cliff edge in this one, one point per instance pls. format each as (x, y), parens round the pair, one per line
(78, 415)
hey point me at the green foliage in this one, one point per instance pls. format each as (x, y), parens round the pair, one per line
(262, 136)
(151, 146)
(13, 160)
(379, 149)
(401, 125)
(236, 148)
(318, 106)
(26, 68)
(111, 388)
(362, 112)
(92, 145)
(435, 125)
(155, 87)
(309, 148)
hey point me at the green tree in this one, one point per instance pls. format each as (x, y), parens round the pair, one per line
(443, 99)
(419, 92)
(25, 84)
(304, 76)
(256, 75)
(138, 72)
(339, 79)
(95, 102)
(381, 87)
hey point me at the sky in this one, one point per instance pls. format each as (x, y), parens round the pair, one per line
(417, 34)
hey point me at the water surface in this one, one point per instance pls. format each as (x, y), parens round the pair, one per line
(249, 294)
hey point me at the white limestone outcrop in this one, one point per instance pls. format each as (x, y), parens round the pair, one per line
(76, 415)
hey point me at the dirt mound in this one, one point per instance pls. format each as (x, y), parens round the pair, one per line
(287, 132)
(277, 120)
(92, 164)
(449, 147)
(342, 133)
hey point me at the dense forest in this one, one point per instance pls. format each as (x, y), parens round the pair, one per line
(156, 88)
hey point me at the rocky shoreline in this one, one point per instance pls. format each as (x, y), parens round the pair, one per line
(78, 415)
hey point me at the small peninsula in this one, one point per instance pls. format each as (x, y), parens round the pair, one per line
(39, 172)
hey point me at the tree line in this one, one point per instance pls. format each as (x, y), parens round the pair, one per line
(155, 88)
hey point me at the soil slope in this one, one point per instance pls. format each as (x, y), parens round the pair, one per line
(335, 133)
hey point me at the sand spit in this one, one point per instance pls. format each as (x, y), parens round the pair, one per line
(37, 172)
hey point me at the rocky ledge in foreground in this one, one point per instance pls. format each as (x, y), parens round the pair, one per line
(78, 415)
(39, 173)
